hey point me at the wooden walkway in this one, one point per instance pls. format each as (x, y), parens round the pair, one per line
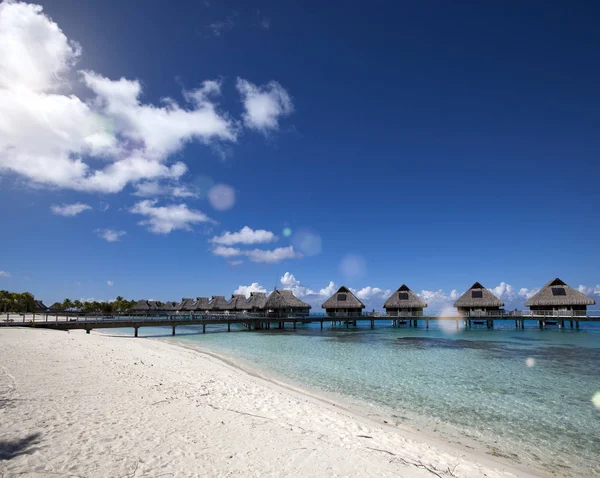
(88, 323)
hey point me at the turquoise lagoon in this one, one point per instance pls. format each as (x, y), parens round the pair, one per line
(525, 394)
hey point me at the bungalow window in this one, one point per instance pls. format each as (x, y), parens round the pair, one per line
(341, 297)
(403, 295)
(558, 291)
(476, 294)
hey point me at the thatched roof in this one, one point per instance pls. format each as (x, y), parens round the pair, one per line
(257, 300)
(187, 304)
(145, 305)
(170, 305)
(218, 302)
(284, 299)
(404, 298)
(343, 299)
(478, 296)
(556, 292)
(202, 303)
(39, 305)
(239, 302)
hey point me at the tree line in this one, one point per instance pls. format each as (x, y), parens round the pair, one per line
(25, 302)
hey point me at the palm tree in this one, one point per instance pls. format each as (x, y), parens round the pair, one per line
(67, 304)
(78, 304)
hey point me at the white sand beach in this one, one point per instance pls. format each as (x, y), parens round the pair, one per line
(82, 405)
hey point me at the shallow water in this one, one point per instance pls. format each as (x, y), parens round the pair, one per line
(521, 393)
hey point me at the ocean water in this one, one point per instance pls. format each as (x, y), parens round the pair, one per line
(524, 394)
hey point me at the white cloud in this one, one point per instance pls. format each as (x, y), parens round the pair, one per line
(329, 290)
(131, 140)
(439, 298)
(69, 209)
(589, 290)
(4, 274)
(226, 252)
(235, 263)
(289, 282)
(272, 256)
(110, 283)
(504, 291)
(526, 293)
(155, 188)
(164, 219)
(246, 235)
(368, 293)
(247, 289)
(264, 105)
(219, 27)
(110, 235)
(221, 197)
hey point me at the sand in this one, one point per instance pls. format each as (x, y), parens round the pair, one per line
(92, 405)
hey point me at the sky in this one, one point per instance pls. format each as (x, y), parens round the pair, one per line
(209, 147)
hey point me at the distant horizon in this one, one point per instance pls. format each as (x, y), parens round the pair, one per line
(302, 146)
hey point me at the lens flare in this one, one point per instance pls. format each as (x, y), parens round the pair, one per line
(530, 362)
(450, 326)
(287, 232)
(596, 400)
(307, 242)
(221, 197)
(353, 266)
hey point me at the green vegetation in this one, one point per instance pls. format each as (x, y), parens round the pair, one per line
(25, 302)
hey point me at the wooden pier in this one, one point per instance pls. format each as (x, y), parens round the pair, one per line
(66, 321)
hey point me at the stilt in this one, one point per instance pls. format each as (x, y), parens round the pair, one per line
(516, 324)
(354, 323)
(562, 324)
(372, 324)
(173, 330)
(203, 328)
(523, 324)
(456, 324)
(228, 326)
(347, 324)
(540, 323)
(571, 323)
(576, 324)
(87, 331)
(321, 325)
(135, 331)
(416, 321)
(426, 323)
(294, 325)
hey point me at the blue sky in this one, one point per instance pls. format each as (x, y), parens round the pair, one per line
(370, 146)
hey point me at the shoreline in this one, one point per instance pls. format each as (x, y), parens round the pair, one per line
(341, 439)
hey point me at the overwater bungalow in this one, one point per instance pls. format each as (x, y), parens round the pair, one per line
(257, 302)
(202, 305)
(145, 307)
(478, 301)
(556, 296)
(170, 307)
(39, 306)
(218, 304)
(283, 303)
(343, 304)
(404, 303)
(187, 304)
(239, 304)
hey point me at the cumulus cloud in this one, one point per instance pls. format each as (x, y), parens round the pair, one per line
(246, 235)
(289, 282)
(329, 290)
(526, 293)
(247, 289)
(504, 291)
(155, 188)
(110, 235)
(114, 138)
(258, 255)
(368, 293)
(164, 219)
(69, 209)
(589, 290)
(439, 298)
(4, 274)
(264, 105)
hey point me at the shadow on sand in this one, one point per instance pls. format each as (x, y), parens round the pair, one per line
(11, 449)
